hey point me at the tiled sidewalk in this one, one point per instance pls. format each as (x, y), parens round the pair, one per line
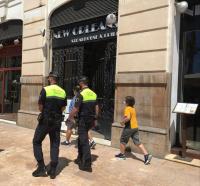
(17, 163)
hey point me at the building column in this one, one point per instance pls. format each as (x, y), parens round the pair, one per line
(33, 61)
(143, 70)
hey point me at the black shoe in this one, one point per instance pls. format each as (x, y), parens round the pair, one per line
(147, 159)
(121, 156)
(52, 173)
(65, 143)
(77, 161)
(87, 169)
(40, 172)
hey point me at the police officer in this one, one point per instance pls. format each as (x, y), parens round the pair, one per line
(52, 102)
(86, 107)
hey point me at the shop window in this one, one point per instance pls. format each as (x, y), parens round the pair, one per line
(192, 65)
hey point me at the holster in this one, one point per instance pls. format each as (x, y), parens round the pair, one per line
(52, 119)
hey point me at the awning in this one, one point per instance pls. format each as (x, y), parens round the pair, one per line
(10, 30)
(80, 10)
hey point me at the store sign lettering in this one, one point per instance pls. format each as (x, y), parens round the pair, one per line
(93, 37)
(79, 30)
(83, 32)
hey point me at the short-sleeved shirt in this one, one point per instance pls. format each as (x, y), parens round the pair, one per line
(130, 113)
(86, 108)
(72, 102)
(52, 103)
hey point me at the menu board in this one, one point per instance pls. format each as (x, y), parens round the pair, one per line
(185, 108)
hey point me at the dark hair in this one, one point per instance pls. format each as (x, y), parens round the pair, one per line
(53, 75)
(83, 79)
(76, 88)
(130, 101)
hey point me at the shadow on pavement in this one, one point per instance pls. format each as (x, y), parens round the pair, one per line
(94, 157)
(130, 155)
(62, 163)
(74, 142)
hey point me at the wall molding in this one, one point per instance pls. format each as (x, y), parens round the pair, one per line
(146, 129)
(160, 78)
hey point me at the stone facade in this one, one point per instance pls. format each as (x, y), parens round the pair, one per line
(151, 91)
(143, 57)
(143, 67)
(33, 61)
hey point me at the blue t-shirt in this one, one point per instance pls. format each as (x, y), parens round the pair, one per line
(72, 102)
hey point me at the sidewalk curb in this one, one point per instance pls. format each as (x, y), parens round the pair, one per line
(97, 140)
(8, 121)
(178, 159)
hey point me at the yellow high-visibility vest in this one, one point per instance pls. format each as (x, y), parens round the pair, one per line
(54, 91)
(88, 95)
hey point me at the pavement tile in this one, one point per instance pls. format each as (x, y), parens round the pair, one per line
(17, 163)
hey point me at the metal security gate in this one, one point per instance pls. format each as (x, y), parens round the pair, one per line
(97, 61)
(103, 82)
(68, 63)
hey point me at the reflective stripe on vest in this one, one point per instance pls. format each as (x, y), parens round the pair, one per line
(88, 95)
(55, 91)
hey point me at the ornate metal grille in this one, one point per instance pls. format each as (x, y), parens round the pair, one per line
(68, 63)
(107, 80)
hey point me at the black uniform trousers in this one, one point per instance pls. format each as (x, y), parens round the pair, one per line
(54, 134)
(84, 153)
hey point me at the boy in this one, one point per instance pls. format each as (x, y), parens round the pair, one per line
(130, 124)
(71, 125)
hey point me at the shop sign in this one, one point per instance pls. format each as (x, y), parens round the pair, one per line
(185, 108)
(84, 32)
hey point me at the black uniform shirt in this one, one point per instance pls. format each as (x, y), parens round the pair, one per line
(86, 109)
(51, 104)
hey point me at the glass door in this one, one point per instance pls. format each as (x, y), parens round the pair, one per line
(191, 85)
(11, 90)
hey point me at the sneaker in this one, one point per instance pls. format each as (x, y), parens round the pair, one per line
(147, 159)
(40, 172)
(65, 143)
(121, 156)
(92, 145)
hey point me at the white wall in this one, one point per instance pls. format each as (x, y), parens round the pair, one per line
(174, 68)
(2, 9)
(11, 9)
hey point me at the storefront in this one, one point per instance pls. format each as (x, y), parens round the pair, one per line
(189, 77)
(134, 56)
(83, 44)
(10, 65)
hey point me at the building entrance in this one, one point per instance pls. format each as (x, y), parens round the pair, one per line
(10, 68)
(84, 43)
(191, 85)
(97, 61)
(10, 72)
(10, 89)
(190, 71)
